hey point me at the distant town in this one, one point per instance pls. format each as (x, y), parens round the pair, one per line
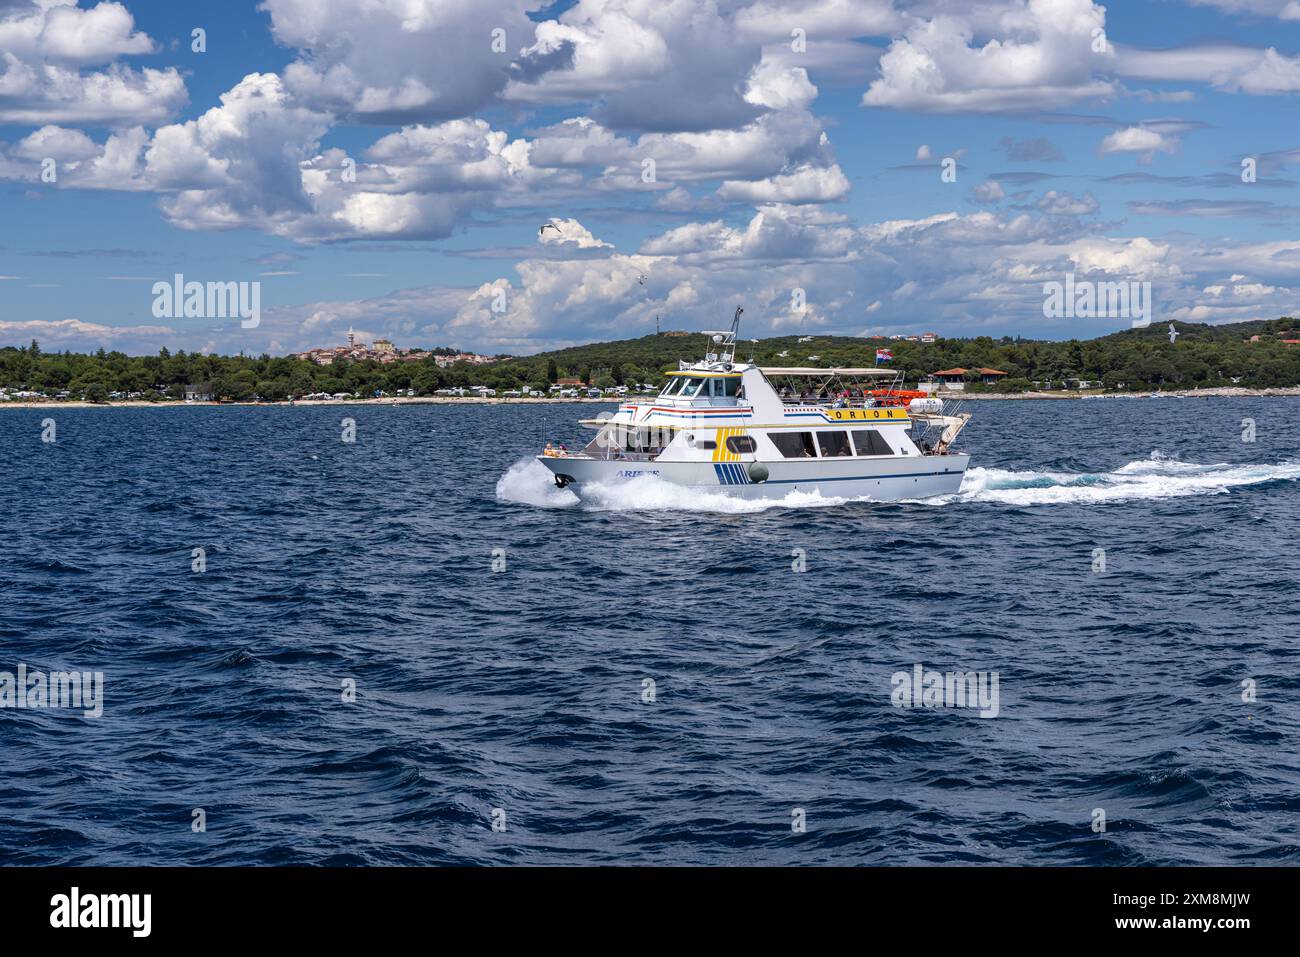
(383, 351)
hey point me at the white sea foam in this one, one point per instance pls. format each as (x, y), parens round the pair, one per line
(650, 493)
(531, 483)
(1152, 478)
(528, 482)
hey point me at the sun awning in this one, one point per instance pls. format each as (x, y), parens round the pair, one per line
(769, 371)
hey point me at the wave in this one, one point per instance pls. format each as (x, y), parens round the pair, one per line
(528, 482)
(650, 493)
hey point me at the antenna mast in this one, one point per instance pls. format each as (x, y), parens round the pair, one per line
(722, 346)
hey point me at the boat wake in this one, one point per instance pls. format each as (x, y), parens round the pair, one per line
(528, 482)
(1152, 478)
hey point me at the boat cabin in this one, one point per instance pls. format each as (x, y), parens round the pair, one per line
(697, 388)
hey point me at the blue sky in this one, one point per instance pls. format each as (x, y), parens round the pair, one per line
(801, 179)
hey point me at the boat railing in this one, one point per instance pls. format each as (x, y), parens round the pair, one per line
(621, 455)
(834, 402)
(607, 455)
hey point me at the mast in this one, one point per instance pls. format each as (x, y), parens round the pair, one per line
(722, 346)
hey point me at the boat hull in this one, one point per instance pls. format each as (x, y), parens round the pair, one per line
(884, 479)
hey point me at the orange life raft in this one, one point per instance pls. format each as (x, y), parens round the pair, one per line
(896, 397)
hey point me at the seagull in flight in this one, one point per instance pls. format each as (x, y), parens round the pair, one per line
(541, 230)
(1173, 333)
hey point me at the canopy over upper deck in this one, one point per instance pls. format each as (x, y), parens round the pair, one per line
(800, 384)
(813, 371)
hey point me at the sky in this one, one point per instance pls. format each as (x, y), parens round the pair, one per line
(855, 167)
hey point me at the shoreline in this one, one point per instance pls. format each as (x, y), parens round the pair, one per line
(1223, 392)
(1227, 392)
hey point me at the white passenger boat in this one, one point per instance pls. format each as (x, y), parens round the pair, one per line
(733, 427)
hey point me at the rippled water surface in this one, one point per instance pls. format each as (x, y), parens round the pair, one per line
(523, 689)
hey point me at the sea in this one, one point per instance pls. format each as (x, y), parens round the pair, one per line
(410, 648)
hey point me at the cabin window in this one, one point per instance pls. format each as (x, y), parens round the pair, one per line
(871, 442)
(672, 385)
(730, 387)
(741, 444)
(706, 444)
(834, 444)
(691, 388)
(794, 445)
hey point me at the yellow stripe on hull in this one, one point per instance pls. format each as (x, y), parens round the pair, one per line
(722, 453)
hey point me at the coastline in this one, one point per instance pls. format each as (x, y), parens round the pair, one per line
(390, 400)
(1229, 392)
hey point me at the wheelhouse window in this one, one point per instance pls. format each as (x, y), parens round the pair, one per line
(691, 388)
(742, 444)
(794, 445)
(834, 444)
(871, 442)
(674, 383)
(730, 386)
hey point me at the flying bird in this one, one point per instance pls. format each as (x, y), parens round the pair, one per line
(543, 228)
(1173, 333)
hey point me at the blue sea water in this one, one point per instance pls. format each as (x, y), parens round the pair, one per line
(524, 689)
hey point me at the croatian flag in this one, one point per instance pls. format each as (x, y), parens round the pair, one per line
(884, 355)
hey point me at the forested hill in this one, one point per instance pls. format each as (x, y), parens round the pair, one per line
(1200, 356)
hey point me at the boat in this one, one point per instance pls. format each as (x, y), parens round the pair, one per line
(763, 432)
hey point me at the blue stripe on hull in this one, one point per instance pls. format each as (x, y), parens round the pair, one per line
(856, 478)
(730, 473)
